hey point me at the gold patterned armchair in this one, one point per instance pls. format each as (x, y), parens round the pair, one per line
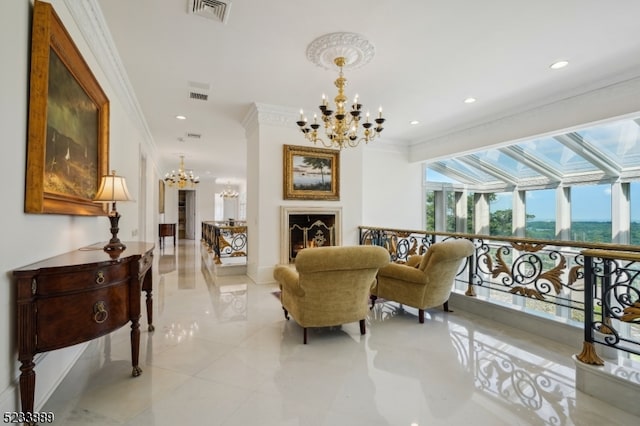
(424, 281)
(330, 285)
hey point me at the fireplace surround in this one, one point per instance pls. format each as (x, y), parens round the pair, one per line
(308, 227)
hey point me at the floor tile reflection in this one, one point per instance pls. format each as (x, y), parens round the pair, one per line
(223, 354)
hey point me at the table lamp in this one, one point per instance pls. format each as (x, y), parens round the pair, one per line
(113, 188)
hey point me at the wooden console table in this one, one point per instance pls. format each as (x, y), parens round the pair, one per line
(167, 230)
(79, 296)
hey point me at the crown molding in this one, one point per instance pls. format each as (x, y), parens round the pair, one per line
(267, 114)
(91, 23)
(602, 104)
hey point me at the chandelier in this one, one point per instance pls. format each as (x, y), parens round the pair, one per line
(181, 179)
(342, 125)
(229, 193)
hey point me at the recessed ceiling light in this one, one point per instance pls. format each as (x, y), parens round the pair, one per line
(414, 122)
(181, 117)
(469, 100)
(559, 64)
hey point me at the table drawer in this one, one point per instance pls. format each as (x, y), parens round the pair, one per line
(67, 320)
(52, 284)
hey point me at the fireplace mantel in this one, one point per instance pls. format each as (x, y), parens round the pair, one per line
(287, 211)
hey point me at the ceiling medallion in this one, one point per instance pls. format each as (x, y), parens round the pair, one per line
(356, 50)
(343, 124)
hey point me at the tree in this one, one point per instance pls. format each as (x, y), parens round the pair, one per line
(319, 164)
(500, 221)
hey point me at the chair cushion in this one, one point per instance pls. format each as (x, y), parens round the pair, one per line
(402, 272)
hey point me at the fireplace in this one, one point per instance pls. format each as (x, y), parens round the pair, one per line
(304, 227)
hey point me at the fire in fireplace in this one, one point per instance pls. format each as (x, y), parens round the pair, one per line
(307, 230)
(310, 227)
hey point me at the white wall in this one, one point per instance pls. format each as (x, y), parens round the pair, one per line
(369, 182)
(205, 194)
(28, 238)
(392, 195)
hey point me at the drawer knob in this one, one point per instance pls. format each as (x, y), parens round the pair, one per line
(100, 313)
(100, 278)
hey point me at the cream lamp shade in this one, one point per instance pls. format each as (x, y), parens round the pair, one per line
(113, 188)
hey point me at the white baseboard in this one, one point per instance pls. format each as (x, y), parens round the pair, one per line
(564, 332)
(611, 383)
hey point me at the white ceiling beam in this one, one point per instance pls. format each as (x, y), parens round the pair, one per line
(453, 173)
(533, 162)
(475, 162)
(586, 150)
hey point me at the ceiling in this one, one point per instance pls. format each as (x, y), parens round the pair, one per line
(430, 55)
(606, 152)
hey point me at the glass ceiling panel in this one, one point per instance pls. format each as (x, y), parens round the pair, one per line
(557, 155)
(434, 176)
(612, 147)
(474, 173)
(619, 140)
(506, 163)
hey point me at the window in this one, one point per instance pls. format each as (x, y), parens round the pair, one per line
(591, 213)
(541, 214)
(635, 212)
(218, 207)
(430, 211)
(501, 214)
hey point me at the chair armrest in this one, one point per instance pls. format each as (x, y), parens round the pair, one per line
(403, 273)
(414, 260)
(288, 278)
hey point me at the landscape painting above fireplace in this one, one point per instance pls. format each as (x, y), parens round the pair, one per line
(311, 173)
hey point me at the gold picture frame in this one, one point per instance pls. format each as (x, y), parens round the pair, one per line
(311, 173)
(160, 196)
(68, 133)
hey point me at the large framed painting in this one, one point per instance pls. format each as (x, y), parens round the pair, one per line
(68, 135)
(160, 196)
(311, 173)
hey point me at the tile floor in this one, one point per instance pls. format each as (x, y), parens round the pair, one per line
(223, 354)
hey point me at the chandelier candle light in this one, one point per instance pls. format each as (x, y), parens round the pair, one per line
(229, 193)
(341, 127)
(181, 179)
(113, 188)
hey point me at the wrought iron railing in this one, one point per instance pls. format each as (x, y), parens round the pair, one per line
(544, 275)
(225, 240)
(612, 302)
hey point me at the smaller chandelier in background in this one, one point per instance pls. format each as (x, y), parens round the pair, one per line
(181, 179)
(229, 193)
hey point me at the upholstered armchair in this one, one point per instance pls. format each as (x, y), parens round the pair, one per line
(424, 281)
(330, 285)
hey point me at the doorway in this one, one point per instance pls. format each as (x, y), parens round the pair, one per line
(187, 214)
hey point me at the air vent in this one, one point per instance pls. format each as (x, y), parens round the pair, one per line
(212, 9)
(198, 96)
(198, 91)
